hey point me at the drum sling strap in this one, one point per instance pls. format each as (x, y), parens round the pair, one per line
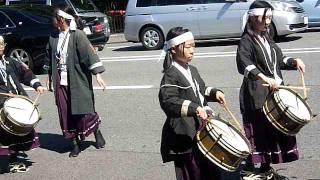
(5, 77)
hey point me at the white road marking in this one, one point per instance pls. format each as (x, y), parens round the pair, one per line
(109, 87)
(203, 55)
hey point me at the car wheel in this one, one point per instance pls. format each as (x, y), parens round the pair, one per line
(152, 38)
(21, 55)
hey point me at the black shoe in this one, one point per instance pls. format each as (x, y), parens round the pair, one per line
(100, 142)
(76, 148)
(275, 176)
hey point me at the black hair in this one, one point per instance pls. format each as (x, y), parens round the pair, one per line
(249, 26)
(67, 9)
(173, 32)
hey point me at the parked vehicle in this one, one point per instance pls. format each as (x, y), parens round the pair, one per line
(96, 24)
(149, 21)
(26, 29)
(312, 8)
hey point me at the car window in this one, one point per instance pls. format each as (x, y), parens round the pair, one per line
(26, 2)
(36, 17)
(83, 6)
(145, 3)
(5, 22)
(173, 2)
(57, 2)
(213, 1)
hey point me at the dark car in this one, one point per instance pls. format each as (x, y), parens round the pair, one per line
(96, 24)
(26, 29)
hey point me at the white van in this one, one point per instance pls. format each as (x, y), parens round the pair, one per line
(148, 21)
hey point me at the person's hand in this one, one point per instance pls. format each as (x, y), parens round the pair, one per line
(100, 81)
(40, 90)
(220, 97)
(49, 84)
(201, 113)
(300, 65)
(270, 81)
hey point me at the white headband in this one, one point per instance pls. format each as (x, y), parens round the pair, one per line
(254, 12)
(175, 41)
(260, 12)
(73, 25)
(1, 39)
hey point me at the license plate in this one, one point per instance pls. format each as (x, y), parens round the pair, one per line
(305, 19)
(87, 30)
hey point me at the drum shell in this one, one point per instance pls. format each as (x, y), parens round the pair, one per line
(221, 155)
(14, 127)
(279, 116)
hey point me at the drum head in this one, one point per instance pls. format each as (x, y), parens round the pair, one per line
(21, 110)
(296, 105)
(230, 138)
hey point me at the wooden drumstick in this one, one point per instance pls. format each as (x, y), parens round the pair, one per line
(289, 87)
(303, 85)
(10, 94)
(233, 117)
(35, 101)
(34, 105)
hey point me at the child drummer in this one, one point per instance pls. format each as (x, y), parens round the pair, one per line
(12, 73)
(183, 97)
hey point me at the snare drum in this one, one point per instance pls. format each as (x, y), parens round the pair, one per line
(19, 116)
(223, 144)
(287, 111)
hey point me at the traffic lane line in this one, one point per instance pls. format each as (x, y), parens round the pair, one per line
(197, 56)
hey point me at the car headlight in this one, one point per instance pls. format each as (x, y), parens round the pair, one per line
(280, 6)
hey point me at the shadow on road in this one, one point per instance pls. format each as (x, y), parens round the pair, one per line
(208, 43)
(4, 162)
(131, 48)
(57, 143)
(287, 39)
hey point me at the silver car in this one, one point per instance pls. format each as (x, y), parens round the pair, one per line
(312, 8)
(148, 21)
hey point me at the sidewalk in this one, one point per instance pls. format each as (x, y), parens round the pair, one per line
(117, 38)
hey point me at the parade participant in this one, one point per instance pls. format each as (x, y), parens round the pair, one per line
(260, 60)
(72, 63)
(183, 97)
(12, 74)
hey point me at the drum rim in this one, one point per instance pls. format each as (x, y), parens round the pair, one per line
(7, 129)
(227, 145)
(19, 123)
(275, 124)
(289, 113)
(214, 160)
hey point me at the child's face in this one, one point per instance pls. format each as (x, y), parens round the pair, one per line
(261, 23)
(2, 46)
(184, 52)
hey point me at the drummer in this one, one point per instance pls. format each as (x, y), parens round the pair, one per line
(260, 60)
(183, 97)
(12, 73)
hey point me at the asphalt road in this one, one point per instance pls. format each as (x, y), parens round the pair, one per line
(132, 118)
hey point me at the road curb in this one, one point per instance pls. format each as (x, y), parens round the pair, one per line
(117, 38)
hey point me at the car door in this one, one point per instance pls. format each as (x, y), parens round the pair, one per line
(312, 8)
(173, 13)
(221, 18)
(6, 24)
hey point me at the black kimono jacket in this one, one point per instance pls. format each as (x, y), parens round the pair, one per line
(82, 62)
(20, 73)
(252, 59)
(179, 104)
